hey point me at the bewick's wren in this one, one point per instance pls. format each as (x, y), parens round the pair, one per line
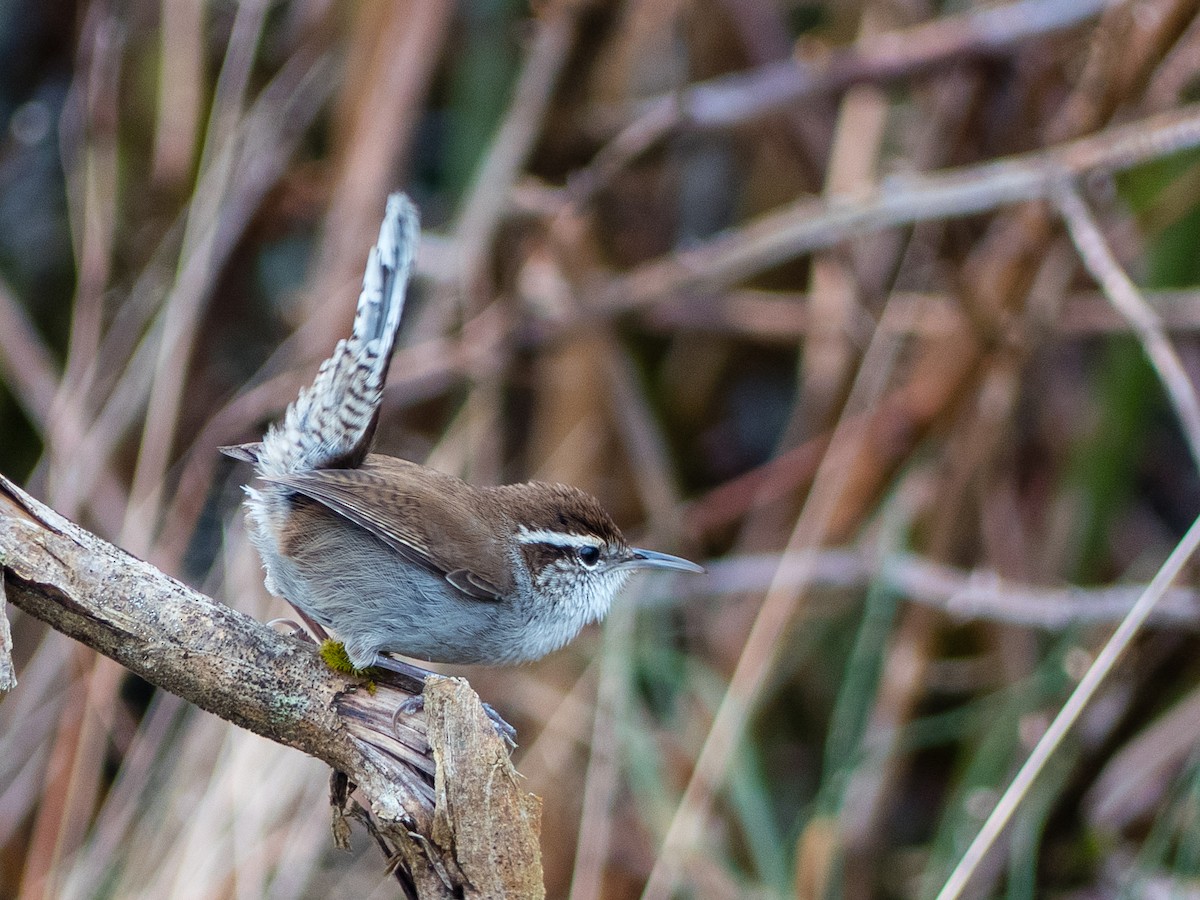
(392, 556)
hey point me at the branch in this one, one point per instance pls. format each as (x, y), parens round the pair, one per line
(1128, 301)
(433, 798)
(967, 595)
(745, 96)
(741, 97)
(779, 317)
(808, 224)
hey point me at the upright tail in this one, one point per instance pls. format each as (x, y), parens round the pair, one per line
(330, 425)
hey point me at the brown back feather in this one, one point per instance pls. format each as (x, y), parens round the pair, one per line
(418, 512)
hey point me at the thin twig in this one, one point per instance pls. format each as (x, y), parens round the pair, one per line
(777, 317)
(1067, 716)
(809, 225)
(294, 95)
(646, 448)
(644, 442)
(180, 90)
(784, 596)
(26, 365)
(515, 138)
(827, 362)
(92, 194)
(736, 99)
(745, 96)
(968, 595)
(1175, 72)
(1128, 301)
(604, 763)
(238, 177)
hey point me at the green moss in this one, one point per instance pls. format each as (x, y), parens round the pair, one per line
(335, 656)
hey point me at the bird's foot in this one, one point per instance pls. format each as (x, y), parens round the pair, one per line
(403, 674)
(416, 704)
(415, 676)
(408, 677)
(294, 628)
(507, 733)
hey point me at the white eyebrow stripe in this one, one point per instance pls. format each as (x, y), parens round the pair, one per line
(557, 538)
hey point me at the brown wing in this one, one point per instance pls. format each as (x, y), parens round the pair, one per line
(432, 519)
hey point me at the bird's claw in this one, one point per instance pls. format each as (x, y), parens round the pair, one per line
(410, 707)
(412, 679)
(506, 732)
(416, 704)
(294, 628)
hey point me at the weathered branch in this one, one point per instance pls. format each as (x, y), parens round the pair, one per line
(440, 791)
(8, 677)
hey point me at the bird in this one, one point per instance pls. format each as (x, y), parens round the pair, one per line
(393, 557)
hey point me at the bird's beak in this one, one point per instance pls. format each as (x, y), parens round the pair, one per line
(652, 559)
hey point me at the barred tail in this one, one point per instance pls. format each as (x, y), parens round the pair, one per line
(330, 425)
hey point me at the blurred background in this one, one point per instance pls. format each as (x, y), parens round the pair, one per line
(688, 255)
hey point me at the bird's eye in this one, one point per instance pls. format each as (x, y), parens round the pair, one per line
(589, 556)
